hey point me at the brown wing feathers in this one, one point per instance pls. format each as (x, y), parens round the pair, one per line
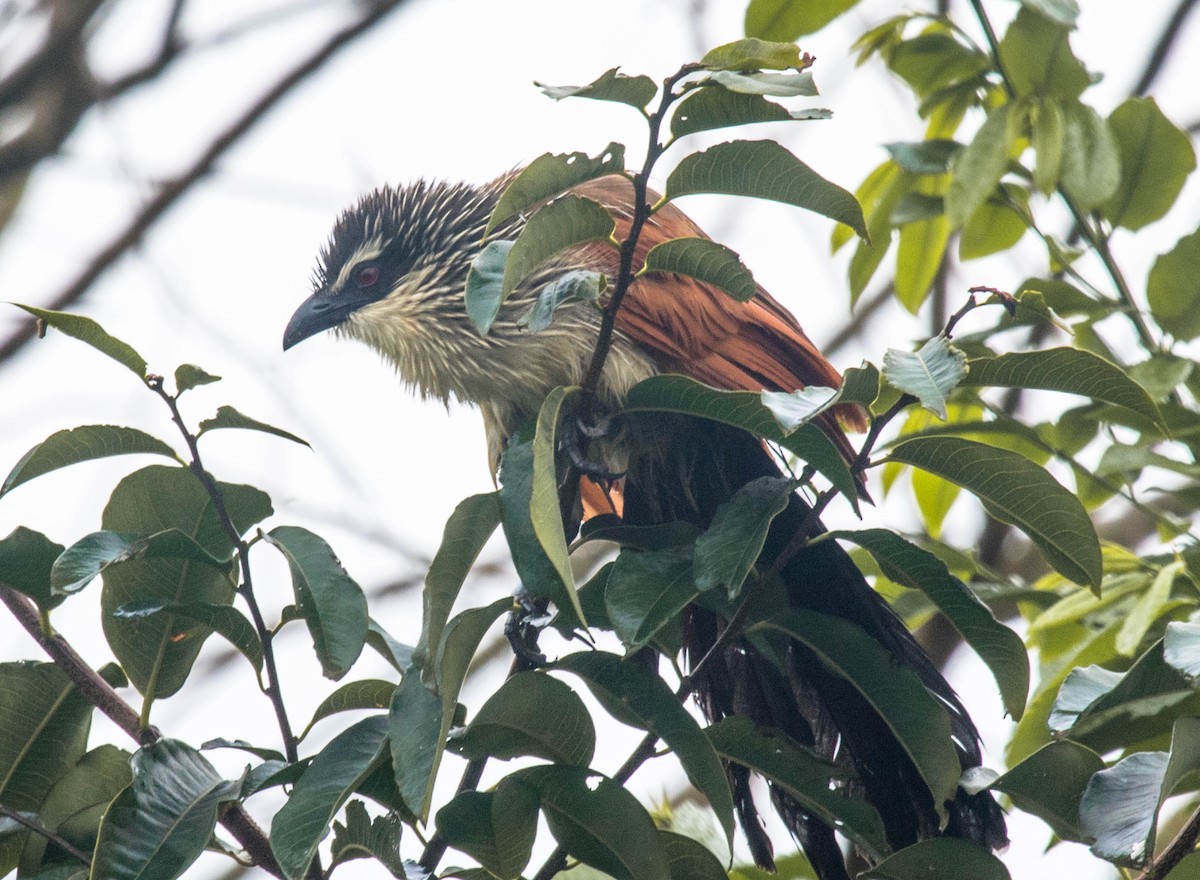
(700, 331)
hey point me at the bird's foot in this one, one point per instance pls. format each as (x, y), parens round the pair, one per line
(523, 627)
(575, 441)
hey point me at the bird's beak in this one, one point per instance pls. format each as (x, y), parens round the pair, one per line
(319, 312)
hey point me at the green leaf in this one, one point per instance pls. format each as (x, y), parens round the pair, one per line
(332, 604)
(365, 838)
(75, 805)
(755, 54)
(1050, 783)
(632, 693)
(646, 590)
(416, 737)
(1037, 57)
(228, 417)
(1148, 609)
(1156, 159)
(531, 714)
(88, 331)
(796, 408)
(26, 560)
(599, 822)
(1172, 291)
(1120, 805)
(544, 510)
(1181, 647)
(978, 168)
(690, 859)
(779, 85)
(942, 858)
(1016, 491)
(921, 250)
(158, 652)
(1137, 706)
(161, 823)
(1048, 138)
(396, 653)
(370, 693)
(920, 724)
(44, 724)
(765, 170)
(326, 784)
(468, 529)
(790, 19)
(745, 410)
(925, 157)
(485, 284)
(496, 828)
(929, 374)
(803, 775)
(86, 443)
(88, 557)
(566, 222)
(189, 376)
(460, 641)
(729, 547)
(1069, 370)
(636, 91)
(997, 645)
(1062, 11)
(225, 620)
(704, 260)
(1091, 165)
(578, 285)
(995, 226)
(714, 107)
(551, 174)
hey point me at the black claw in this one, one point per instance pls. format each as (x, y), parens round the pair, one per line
(523, 627)
(574, 443)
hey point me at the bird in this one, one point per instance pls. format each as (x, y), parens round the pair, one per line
(393, 274)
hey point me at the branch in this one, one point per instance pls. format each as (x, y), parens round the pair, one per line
(1183, 844)
(100, 694)
(171, 191)
(41, 830)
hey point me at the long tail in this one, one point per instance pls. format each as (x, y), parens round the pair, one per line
(682, 469)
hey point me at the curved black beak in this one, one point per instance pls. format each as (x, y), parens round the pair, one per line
(319, 312)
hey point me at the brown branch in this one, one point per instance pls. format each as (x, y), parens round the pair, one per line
(1162, 48)
(100, 694)
(1183, 845)
(42, 831)
(170, 192)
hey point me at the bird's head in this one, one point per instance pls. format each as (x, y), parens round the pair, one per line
(395, 266)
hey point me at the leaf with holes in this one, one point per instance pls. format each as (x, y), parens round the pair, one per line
(929, 374)
(636, 91)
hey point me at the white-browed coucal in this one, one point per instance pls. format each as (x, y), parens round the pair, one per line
(393, 276)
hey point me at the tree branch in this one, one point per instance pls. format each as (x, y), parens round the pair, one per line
(170, 192)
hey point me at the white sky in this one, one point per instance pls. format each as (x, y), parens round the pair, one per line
(443, 89)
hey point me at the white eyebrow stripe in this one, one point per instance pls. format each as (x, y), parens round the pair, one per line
(368, 250)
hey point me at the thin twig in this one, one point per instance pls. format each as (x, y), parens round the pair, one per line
(42, 831)
(246, 589)
(1183, 844)
(171, 191)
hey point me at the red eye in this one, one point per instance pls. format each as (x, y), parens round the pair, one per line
(366, 276)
